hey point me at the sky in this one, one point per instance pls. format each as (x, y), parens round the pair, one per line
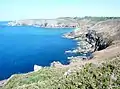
(41, 9)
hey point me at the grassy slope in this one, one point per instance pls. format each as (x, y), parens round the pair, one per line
(90, 76)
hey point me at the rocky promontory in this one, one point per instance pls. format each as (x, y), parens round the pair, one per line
(97, 37)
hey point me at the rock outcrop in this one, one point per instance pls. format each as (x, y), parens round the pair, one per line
(37, 68)
(2, 82)
(56, 64)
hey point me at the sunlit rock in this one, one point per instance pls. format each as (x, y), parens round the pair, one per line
(37, 68)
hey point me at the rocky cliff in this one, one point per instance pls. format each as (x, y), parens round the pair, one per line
(97, 37)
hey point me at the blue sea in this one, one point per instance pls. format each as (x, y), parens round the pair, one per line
(21, 47)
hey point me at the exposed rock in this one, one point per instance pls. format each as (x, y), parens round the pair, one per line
(113, 77)
(2, 82)
(84, 57)
(37, 68)
(90, 41)
(68, 72)
(56, 64)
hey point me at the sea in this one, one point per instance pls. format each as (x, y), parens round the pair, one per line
(22, 47)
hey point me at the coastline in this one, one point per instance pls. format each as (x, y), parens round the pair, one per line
(98, 46)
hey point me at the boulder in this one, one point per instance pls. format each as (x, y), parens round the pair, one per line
(37, 68)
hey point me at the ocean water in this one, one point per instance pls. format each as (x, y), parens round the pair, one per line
(23, 47)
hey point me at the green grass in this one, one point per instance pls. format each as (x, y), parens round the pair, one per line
(91, 76)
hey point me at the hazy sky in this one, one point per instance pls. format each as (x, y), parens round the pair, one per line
(33, 9)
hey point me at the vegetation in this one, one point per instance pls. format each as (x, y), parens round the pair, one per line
(104, 75)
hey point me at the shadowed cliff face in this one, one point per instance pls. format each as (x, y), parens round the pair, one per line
(96, 40)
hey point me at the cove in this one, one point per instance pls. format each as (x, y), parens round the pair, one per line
(21, 47)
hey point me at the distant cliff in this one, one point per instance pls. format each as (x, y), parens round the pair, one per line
(72, 22)
(49, 23)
